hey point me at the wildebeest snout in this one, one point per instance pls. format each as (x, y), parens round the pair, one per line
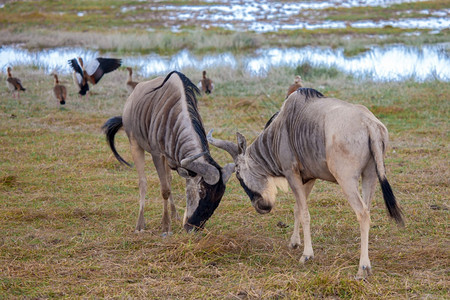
(261, 206)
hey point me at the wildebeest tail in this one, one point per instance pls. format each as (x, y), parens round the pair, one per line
(377, 148)
(110, 128)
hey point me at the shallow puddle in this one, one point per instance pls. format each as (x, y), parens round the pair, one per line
(265, 15)
(390, 63)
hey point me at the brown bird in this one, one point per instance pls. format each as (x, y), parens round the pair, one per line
(295, 86)
(14, 84)
(92, 72)
(130, 83)
(59, 91)
(206, 84)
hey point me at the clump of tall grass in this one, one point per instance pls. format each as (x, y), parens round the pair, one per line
(312, 72)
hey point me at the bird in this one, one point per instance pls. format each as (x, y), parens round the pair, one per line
(59, 90)
(206, 84)
(92, 72)
(295, 86)
(130, 83)
(14, 84)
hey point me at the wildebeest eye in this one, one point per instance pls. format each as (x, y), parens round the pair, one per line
(202, 192)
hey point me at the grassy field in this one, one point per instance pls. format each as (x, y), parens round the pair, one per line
(68, 208)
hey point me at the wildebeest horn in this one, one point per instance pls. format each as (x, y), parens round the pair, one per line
(227, 171)
(190, 159)
(209, 173)
(228, 146)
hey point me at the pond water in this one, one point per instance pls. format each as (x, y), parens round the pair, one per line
(270, 15)
(389, 63)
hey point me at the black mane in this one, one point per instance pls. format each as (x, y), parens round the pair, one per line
(191, 91)
(310, 93)
(271, 119)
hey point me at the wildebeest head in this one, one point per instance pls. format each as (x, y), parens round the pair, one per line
(205, 186)
(260, 187)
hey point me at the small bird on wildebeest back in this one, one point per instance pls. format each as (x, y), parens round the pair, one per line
(14, 84)
(92, 72)
(295, 86)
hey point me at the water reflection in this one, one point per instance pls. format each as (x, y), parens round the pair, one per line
(390, 63)
(265, 16)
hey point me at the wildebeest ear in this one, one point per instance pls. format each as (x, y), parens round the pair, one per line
(242, 143)
(183, 172)
(227, 171)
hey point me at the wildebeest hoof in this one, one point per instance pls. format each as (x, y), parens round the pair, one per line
(306, 258)
(139, 230)
(294, 245)
(166, 234)
(363, 272)
(189, 228)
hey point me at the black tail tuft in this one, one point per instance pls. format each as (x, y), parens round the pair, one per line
(391, 204)
(110, 128)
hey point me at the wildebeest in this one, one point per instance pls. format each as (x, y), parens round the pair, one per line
(161, 117)
(314, 137)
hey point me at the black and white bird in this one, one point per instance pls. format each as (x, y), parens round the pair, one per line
(91, 72)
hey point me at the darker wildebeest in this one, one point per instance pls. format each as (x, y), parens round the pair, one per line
(314, 137)
(161, 117)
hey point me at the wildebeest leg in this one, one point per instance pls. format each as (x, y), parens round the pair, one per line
(173, 209)
(350, 187)
(369, 183)
(164, 179)
(139, 160)
(301, 214)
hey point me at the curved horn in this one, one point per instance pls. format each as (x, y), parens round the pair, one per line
(209, 173)
(185, 162)
(227, 171)
(228, 146)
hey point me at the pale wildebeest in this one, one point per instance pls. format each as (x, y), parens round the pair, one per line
(161, 117)
(314, 137)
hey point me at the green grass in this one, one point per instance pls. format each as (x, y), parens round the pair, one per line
(68, 208)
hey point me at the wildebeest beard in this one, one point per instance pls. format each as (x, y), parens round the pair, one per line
(207, 204)
(251, 194)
